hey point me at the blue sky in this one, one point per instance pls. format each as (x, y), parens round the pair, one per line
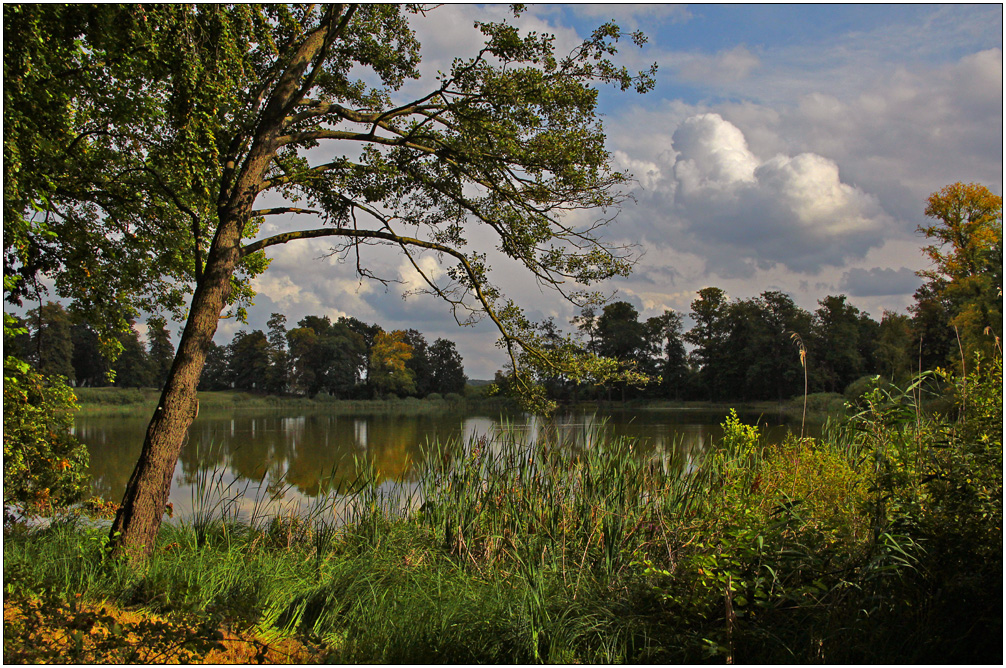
(785, 147)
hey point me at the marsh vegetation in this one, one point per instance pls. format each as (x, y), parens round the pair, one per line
(880, 541)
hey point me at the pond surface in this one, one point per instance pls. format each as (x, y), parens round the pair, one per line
(294, 456)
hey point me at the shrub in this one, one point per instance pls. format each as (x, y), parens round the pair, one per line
(825, 402)
(44, 466)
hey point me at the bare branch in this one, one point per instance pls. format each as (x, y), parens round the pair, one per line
(282, 209)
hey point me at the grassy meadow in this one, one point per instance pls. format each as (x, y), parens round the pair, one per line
(879, 542)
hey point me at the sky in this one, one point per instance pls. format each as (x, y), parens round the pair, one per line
(784, 147)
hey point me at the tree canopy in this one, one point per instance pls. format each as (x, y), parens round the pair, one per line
(171, 115)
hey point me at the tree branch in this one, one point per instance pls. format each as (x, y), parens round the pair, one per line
(196, 225)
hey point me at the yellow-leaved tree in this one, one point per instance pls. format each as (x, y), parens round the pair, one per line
(388, 373)
(967, 255)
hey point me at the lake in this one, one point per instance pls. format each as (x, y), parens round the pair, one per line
(293, 456)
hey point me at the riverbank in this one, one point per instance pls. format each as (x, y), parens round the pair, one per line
(881, 542)
(820, 407)
(116, 400)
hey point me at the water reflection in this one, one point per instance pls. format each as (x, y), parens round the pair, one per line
(293, 459)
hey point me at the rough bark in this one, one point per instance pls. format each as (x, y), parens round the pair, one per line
(139, 516)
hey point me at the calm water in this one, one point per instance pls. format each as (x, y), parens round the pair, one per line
(294, 456)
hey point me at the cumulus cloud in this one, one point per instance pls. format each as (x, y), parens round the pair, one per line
(788, 210)
(905, 131)
(647, 174)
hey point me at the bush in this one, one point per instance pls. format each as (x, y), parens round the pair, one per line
(44, 466)
(857, 388)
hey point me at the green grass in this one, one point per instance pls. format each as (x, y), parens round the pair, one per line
(879, 542)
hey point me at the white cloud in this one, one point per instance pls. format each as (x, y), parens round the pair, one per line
(727, 66)
(741, 210)
(711, 155)
(900, 132)
(647, 174)
(412, 280)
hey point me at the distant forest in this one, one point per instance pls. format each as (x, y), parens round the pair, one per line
(750, 350)
(347, 359)
(741, 350)
(761, 348)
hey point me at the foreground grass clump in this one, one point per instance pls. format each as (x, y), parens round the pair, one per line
(880, 542)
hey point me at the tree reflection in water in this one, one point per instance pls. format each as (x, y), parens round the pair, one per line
(290, 460)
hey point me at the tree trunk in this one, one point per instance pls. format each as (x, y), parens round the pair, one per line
(139, 516)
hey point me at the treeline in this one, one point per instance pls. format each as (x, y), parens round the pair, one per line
(347, 359)
(742, 350)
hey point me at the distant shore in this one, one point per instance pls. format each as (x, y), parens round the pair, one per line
(130, 401)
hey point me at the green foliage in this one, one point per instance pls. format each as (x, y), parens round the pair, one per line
(448, 368)
(329, 357)
(160, 351)
(44, 465)
(248, 361)
(51, 346)
(195, 108)
(860, 386)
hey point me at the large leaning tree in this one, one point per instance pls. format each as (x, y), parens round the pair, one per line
(139, 141)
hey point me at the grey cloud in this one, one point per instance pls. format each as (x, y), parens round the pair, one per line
(903, 132)
(879, 282)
